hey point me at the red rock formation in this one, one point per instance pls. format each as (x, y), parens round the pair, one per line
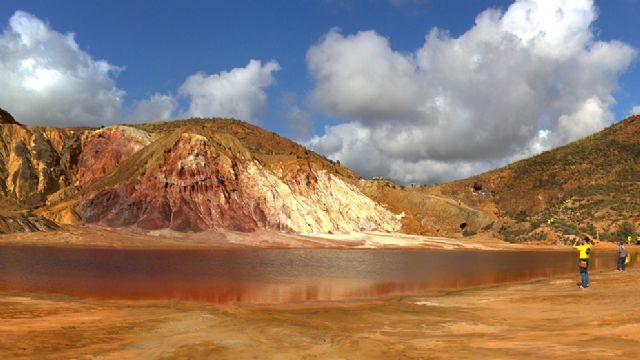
(196, 187)
(204, 183)
(105, 149)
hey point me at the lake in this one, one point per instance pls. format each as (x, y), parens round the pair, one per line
(273, 276)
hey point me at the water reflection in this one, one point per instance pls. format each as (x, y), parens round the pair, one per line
(271, 276)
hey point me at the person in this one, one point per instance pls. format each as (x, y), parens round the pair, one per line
(622, 257)
(584, 246)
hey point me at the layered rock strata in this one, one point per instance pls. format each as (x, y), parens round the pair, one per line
(25, 223)
(213, 182)
(104, 149)
(35, 162)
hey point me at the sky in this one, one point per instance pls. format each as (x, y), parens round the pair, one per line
(418, 91)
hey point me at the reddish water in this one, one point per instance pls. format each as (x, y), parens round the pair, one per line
(271, 276)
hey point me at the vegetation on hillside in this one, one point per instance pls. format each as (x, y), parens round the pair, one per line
(588, 187)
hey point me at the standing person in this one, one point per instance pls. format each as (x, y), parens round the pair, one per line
(584, 246)
(622, 257)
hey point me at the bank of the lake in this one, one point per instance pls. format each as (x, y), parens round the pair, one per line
(89, 236)
(549, 318)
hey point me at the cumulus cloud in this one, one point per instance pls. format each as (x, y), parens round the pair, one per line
(515, 84)
(635, 110)
(46, 78)
(352, 144)
(239, 93)
(156, 107)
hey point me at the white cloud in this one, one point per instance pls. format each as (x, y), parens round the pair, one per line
(352, 144)
(239, 93)
(157, 107)
(513, 85)
(635, 110)
(46, 77)
(359, 76)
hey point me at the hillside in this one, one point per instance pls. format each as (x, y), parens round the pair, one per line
(590, 186)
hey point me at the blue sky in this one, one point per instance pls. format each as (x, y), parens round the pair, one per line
(154, 46)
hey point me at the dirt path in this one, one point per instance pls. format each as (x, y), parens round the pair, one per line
(533, 320)
(98, 237)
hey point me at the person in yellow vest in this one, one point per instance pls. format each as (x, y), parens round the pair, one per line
(584, 247)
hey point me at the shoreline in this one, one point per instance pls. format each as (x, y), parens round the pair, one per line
(528, 320)
(98, 237)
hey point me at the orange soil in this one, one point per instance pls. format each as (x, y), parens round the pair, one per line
(531, 320)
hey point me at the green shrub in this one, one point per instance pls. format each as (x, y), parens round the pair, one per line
(508, 238)
(521, 216)
(466, 233)
(624, 229)
(535, 224)
(589, 229)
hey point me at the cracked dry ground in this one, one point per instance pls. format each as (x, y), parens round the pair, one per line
(548, 318)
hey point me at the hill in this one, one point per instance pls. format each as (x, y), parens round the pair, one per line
(189, 175)
(590, 186)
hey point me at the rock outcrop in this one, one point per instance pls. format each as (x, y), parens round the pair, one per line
(25, 223)
(211, 181)
(106, 148)
(35, 162)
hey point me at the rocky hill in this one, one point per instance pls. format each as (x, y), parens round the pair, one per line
(192, 175)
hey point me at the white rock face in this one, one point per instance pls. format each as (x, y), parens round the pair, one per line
(325, 205)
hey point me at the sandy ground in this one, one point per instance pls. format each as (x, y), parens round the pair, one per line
(92, 236)
(540, 319)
